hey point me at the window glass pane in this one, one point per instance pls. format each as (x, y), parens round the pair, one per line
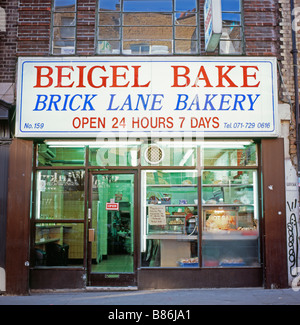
(183, 19)
(185, 5)
(64, 48)
(231, 5)
(64, 5)
(65, 19)
(59, 244)
(114, 154)
(109, 5)
(229, 154)
(149, 47)
(108, 47)
(185, 32)
(187, 47)
(63, 33)
(230, 234)
(169, 224)
(147, 33)
(111, 19)
(147, 19)
(231, 19)
(147, 5)
(60, 156)
(169, 154)
(231, 33)
(60, 195)
(109, 32)
(231, 47)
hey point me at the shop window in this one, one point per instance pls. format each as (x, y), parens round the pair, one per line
(58, 244)
(59, 218)
(60, 195)
(232, 39)
(114, 153)
(60, 155)
(230, 227)
(169, 153)
(148, 27)
(199, 200)
(214, 207)
(235, 153)
(170, 224)
(63, 27)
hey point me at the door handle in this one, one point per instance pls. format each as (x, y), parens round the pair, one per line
(91, 235)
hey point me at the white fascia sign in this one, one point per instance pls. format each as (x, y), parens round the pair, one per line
(213, 24)
(78, 97)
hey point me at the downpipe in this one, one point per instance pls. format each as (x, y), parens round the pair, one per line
(294, 52)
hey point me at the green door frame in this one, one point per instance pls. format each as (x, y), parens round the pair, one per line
(113, 279)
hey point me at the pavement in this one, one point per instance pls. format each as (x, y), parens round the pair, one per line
(152, 298)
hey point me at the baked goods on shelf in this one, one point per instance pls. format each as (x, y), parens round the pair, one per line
(177, 221)
(220, 220)
(232, 262)
(189, 262)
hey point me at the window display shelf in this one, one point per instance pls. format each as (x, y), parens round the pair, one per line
(172, 185)
(229, 222)
(174, 225)
(228, 205)
(231, 235)
(228, 185)
(172, 236)
(173, 205)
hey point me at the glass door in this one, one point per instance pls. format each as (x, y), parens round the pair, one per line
(111, 235)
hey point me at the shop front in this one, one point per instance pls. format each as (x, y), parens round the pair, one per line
(153, 172)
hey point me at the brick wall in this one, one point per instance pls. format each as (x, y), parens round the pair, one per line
(286, 46)
(287, 93)
(86, 25)
(261, 27)
(34, 27)
(8, 42)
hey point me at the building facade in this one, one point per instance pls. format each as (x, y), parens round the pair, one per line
(143, 157)
(8, 44)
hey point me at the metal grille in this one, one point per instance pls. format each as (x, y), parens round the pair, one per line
(154, 154)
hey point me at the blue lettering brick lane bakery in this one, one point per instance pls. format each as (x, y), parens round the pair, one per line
(152, 171)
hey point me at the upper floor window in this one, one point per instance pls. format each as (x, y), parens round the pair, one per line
(63, 33)
(231, 42)
(148, 27)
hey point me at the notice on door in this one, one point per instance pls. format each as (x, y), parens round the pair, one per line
(157, 215)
